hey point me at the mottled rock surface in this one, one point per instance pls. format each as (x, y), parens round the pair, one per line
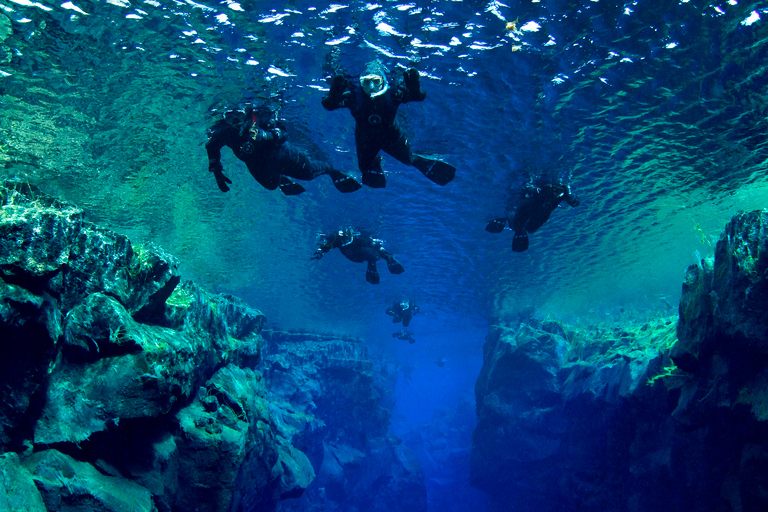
(143, 382)
(332, 398)
(662, 416)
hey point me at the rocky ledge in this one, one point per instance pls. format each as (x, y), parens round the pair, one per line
(665, 415)
(125, 387)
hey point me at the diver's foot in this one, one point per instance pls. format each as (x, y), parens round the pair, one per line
(520, 242)
(435, 170)
(395, 267)
(290, 188)
(344, 183)
(372, 276)
(496, 225)
(374, 177)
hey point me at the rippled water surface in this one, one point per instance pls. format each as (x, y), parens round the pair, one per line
(655, 110)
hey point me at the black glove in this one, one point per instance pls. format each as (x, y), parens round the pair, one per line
(317, 255)
(338, 93)
(221, 180)
(413, 84)
(279, 135)
(338, 86)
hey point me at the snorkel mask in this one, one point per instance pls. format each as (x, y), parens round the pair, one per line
(374, 80)
(374, 85)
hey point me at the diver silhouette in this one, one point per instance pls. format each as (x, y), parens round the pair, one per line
(535, 204)
(374, 105)
(358, 247)
(259, 139)
(404, 335)
(402, 311)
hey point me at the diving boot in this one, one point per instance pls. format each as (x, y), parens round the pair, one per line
(344, 183)
(371, 274)
(374, 177)
(394, 266)
(496, 225)
(520, 242)
(436, 170)
(290, 188)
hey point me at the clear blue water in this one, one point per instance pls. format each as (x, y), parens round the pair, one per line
(654, 110)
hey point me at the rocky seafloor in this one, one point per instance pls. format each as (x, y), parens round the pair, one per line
(127, 388)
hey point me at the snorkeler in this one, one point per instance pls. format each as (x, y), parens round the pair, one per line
(258, 139)
(374, 104)
(358, 248)
(535, 205)
(404, 335)
(402, 311)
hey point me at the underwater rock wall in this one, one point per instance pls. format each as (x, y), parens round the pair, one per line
(125, 387)
(660, 416)
(337, 402)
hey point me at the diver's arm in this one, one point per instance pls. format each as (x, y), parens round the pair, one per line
(410, 87)
(322, 249)
(572, 198)
(217, 139)
(338, 95)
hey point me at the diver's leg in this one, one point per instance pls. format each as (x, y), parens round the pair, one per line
(371, 274)
(537, 220)
(393, 265)
(496, 225)
(298, 164)
(368, 159)
(520, 242)
(264, 174)
(397, 145)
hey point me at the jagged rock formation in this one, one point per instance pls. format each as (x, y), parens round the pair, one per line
(124, 387)
(335, 400)
(661, 416)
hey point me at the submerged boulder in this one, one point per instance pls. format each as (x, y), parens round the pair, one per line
(662, 416)
(329, 397)
(143, 382)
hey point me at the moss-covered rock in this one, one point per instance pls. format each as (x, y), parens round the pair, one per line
(109, 355)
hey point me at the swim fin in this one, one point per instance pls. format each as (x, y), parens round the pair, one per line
(371, 274)
(436, 170)
(520, 242)
(344, 183)
(496, 225)
(290, 188)
(394, 266)
(374, 177)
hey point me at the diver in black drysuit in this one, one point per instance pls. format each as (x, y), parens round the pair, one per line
(535, 204)
(358, 248)
(402, 312)
(258, 139)
(404, 335)
(374, 104)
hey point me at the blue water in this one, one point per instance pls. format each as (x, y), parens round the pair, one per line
(654, 110)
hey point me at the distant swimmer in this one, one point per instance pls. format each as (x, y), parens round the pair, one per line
(535, 204)
(404, 335)
(373, 103)
(257, 138)
(402, 311)
(440, 362)
(358, 247)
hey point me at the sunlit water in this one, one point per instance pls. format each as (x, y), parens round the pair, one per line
(655, 110)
